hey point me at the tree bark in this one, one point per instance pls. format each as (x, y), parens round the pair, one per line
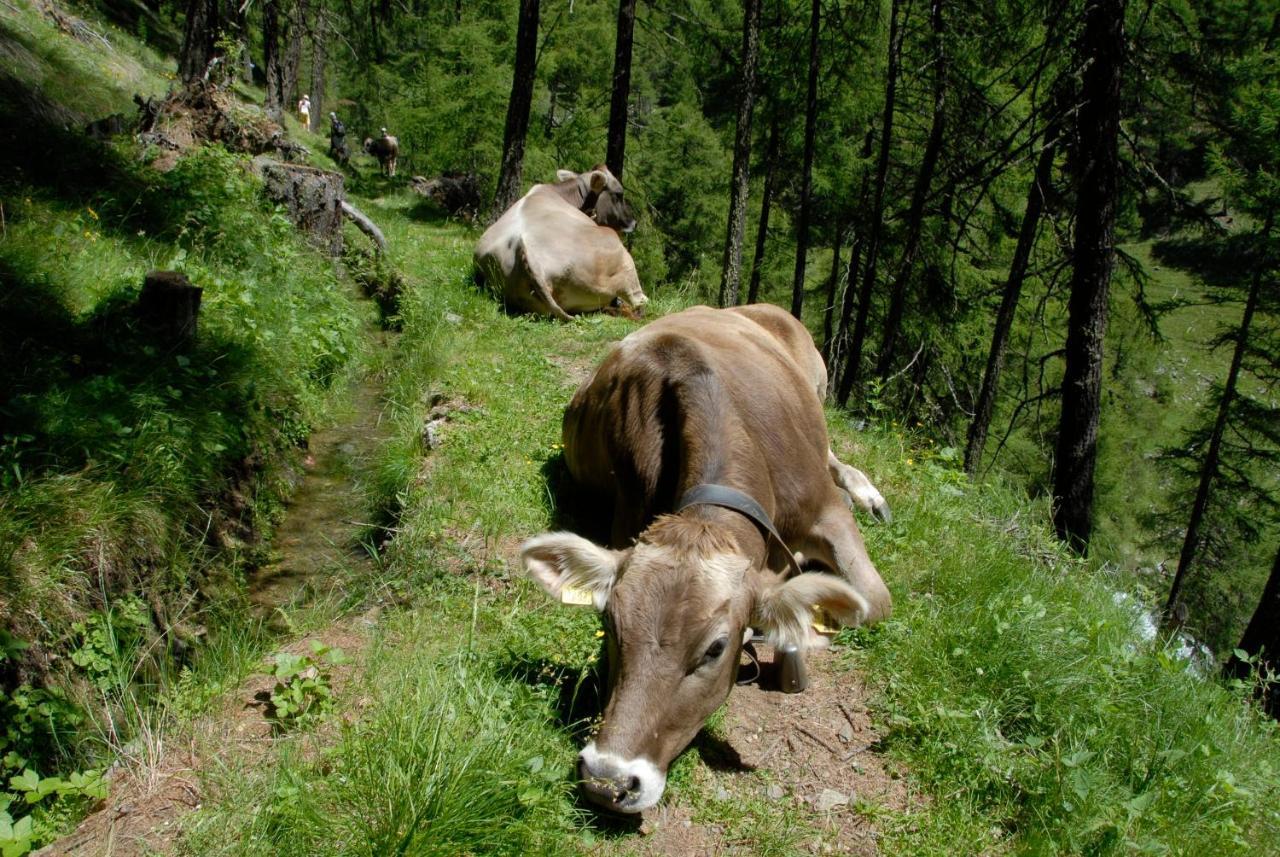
(365, 225)
(518, 107)
(766, 201)
(1009, 306)
(832, 351)
(853, 364)
(731, 276)
(1097, 187)
(1262, 640)
(200, 33)
(169, 307)
(319, 58)
(915, 214)
(296, 29)
(806, 177)
(621, 88)
(1213, 456)
(274, 102)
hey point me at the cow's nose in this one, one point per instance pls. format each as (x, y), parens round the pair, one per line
(606, 788)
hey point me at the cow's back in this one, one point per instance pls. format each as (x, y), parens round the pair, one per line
(692, 390)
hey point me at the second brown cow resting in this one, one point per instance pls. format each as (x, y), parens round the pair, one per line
(557, 250)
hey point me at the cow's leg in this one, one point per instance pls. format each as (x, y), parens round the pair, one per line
(856, 484)
(834, 541)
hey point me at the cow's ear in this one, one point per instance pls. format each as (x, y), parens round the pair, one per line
(598, 180)
(565, 175)
(568, 566)
(784, 611)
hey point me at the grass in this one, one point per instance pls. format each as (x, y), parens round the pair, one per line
(1012, 681)
(134, 472)
(78, 79)
(1013, 687)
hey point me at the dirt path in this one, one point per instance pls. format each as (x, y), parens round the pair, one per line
(813, 754)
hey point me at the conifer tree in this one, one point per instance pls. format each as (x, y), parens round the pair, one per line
(1097, 170)
(621, 93)
(518, 107)
(731, 277)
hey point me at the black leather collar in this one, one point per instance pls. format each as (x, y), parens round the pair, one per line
(744, 504)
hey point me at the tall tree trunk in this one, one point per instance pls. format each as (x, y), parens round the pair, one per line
(853, 365)
(915, 214)
(833, 284)
(199, 37)
(806, 177)
(731, 276)
(1262, 638)
(271, 61)
(296, 22)
(1097, 186)
(1009, 306)
(1212, 456)
(621, 88)
(766, 201)
(245, 60)
(319, 58)
(833, 350)
(518, 110)
(375, 34)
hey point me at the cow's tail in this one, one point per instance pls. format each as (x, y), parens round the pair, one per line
(540, 289)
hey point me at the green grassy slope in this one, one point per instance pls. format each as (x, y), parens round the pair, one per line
(135, 476)
(1017, 692)
(1014, 689)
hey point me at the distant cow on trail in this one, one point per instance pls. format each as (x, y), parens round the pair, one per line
(705, 432)
(556, 251)
(386, 149)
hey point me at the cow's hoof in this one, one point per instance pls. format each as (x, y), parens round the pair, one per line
(881, 512)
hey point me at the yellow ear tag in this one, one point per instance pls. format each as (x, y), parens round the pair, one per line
(823, 623)
(576, 595)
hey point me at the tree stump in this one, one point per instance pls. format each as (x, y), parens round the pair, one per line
(169, 307)
(312, 197)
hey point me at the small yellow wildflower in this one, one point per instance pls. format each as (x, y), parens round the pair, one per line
(599, 633)
(910, 462)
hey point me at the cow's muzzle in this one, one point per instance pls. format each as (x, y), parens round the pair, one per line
(617, 784)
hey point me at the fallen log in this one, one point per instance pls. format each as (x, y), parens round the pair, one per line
(367, 226)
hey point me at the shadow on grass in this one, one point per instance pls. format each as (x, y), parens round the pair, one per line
(571, 508)
(1222, 261)
(579, 691)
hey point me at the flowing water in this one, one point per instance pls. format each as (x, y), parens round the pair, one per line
(317, 544)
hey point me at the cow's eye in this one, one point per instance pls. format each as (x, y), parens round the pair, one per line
(715, 650)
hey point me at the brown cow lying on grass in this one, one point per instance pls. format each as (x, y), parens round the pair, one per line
(725, 398)
(557, 250)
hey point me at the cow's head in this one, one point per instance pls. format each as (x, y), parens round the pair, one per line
(676, 607)
(602, 197)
